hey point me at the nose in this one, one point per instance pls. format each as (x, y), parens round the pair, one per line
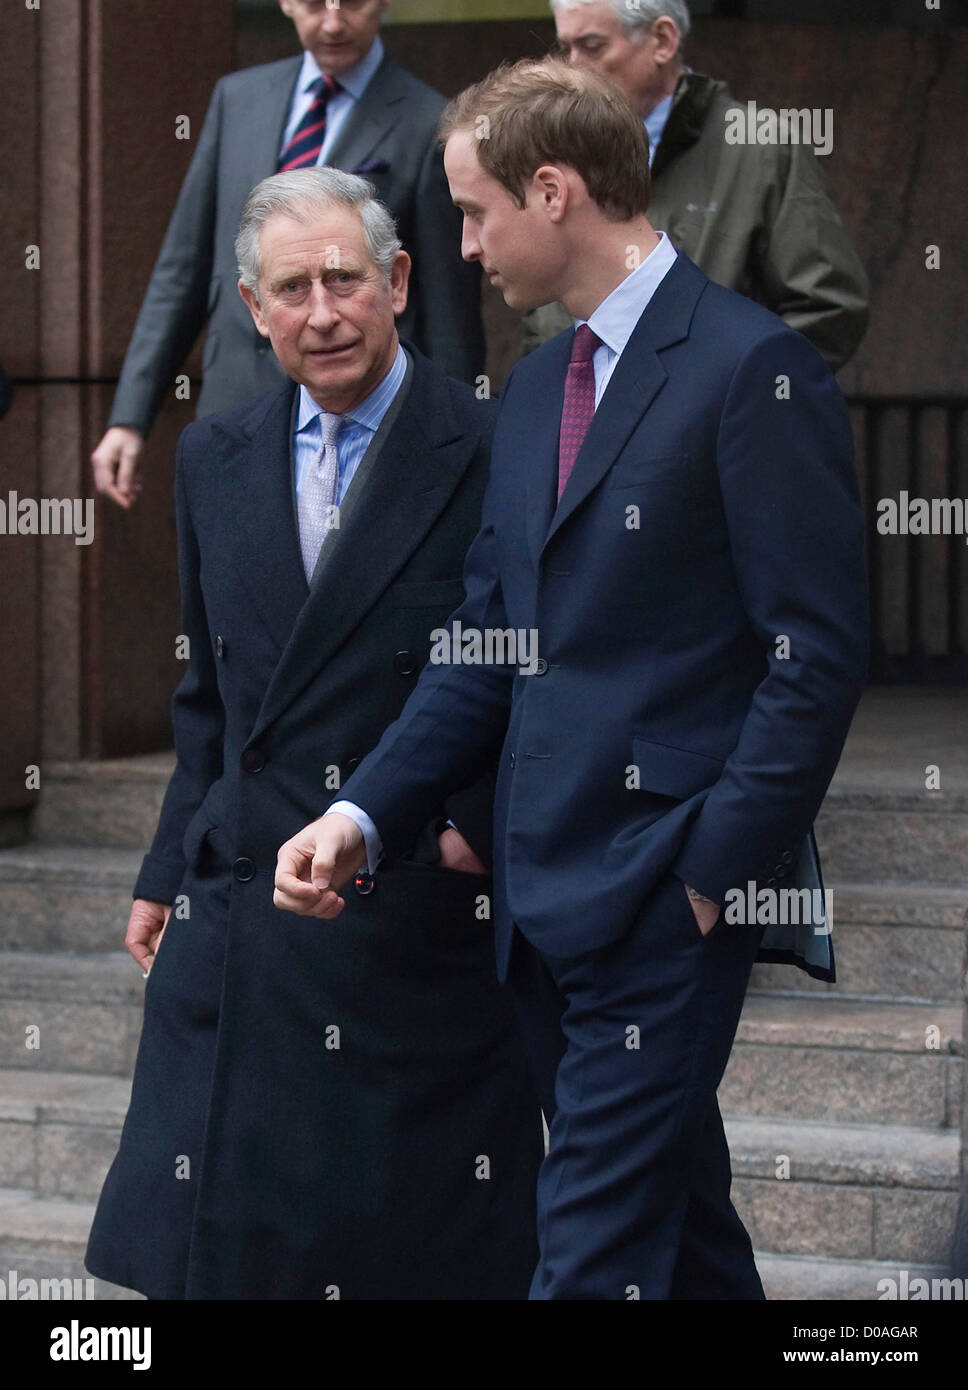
(470, 246)
(323, 308)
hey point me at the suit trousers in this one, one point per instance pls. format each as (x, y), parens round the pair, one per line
(628, 1044)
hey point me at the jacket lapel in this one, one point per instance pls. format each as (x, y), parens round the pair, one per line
(638, 377)
(537, 440)
(259, 127)
(376, 113)
(421, 463)
(255, 459)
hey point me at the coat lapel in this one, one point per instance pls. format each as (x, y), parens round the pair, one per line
(421, 463)
(637, 379)
(376, 113)
(255, 459)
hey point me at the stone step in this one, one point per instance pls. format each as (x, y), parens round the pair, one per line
(810, 1278)
(869, 1192)
(73, 1013)
(112, 802)
(44, 1238)
(59, 1131)
(891, 941)
(882, 834)
(73, 898)
(846, 1060)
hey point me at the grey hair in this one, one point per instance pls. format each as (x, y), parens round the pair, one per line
(300, 191)
(637, 15)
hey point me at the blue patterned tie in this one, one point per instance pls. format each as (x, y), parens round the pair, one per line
(318, 495)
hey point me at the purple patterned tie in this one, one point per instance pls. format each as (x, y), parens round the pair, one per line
(303, 149)
(579, 403)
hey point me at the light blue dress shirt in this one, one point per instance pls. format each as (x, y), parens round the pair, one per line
(655, 124)
(354, 84)
(617, 315)
(361, 424)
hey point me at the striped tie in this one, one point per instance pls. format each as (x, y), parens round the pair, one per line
(303, 149)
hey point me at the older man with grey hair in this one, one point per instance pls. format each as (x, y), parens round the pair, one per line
(757, 218)
(319, 1114)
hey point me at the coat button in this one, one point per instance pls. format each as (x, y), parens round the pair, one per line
(540, 667)
(404, 663)
(364, 884)
(770, 882)
(787, 856)
(512, 760)
(352, 765)
(244, 870)
(220, 648)
(253, 760)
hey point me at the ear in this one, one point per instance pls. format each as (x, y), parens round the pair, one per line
(255, 309)
(665, 37)
(286, 7)
(549, 190)
(399, 281)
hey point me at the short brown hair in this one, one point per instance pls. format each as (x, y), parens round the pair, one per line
(538, 112)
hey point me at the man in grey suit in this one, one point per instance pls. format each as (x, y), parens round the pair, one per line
(343, 103)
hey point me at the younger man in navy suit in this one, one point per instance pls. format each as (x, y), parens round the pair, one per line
(672, 509)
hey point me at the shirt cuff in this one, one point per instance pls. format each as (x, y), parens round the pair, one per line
(371, 836)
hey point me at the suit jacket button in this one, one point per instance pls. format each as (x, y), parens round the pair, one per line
(404, 663)
(351, 765)
(787, 856)
(253, 760)
(512, 760)
(540, 667)
(244, 870)
(220, 648)
(364, 884)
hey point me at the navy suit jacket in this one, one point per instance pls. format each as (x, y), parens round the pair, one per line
(700, 600)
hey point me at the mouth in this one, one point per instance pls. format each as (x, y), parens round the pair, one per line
(332, 351)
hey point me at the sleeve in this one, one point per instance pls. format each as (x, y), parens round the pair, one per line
(796, 541)
(809, 272)
(451, 729)
(198, 718)
(175, 306)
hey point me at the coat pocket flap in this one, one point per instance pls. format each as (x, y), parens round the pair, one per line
(199, 829)
(674, 771)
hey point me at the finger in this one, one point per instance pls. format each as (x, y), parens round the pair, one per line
(294, 887)
(127, 479)
(293, 902)
(116, 495)
(140, 953)
(330, 905)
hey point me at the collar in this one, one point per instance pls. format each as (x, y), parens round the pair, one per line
(655, 123)
(615, 318)
(370, 410)
(354, 82)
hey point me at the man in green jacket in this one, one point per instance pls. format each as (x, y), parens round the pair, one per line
(756, 217)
